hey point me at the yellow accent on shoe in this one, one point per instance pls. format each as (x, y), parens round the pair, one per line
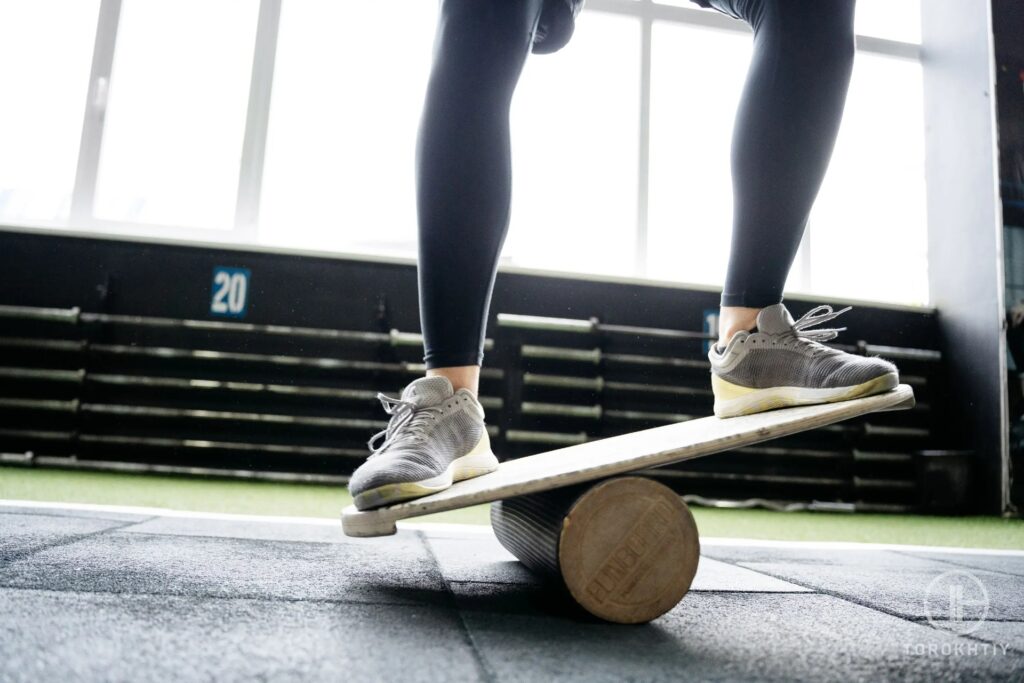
(732, 400)
(727, 390)
(478, 461)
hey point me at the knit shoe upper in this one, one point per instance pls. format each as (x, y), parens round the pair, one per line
(435, 435)
(783, 363)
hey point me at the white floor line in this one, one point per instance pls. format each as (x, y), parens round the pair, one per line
(850, 545)
(167, 512)
(482, 529)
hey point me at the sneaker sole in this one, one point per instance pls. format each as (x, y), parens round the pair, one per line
(732, 400)
(473, 464)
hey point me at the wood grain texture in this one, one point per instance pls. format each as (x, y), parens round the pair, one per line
(629, 550)
(622, 454)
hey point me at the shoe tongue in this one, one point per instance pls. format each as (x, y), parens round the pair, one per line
(428, 391)
(774, 320)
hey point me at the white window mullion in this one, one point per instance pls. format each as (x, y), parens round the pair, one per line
(643, 175)
(254, 144)
(95, 112)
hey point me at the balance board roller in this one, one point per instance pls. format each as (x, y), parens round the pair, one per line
(625, 547)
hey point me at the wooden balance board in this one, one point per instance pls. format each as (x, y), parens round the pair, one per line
(626, 547)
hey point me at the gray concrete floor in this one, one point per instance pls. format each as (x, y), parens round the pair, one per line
(91, 595)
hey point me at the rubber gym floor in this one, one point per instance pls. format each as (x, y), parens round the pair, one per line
(137, 578)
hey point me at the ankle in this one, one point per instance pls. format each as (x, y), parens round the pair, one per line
(733, 319)
(462, 377)
(725, 336)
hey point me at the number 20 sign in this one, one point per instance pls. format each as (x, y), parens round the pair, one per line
(230, 291)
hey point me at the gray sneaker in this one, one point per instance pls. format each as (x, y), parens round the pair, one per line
(784, 364)
(435, 438)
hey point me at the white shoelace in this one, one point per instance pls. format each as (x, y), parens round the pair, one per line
(408, 421)
(813, 317)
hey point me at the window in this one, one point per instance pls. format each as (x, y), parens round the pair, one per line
(46, 49)
(868, 230)
(889, 19)
(575, 146)
(343, 121)
(176, 113)
(871, 209)
(697, 76)
(293, 124)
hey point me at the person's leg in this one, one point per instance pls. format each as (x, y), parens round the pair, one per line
(436, 434)
(463, 178)
(784, 134)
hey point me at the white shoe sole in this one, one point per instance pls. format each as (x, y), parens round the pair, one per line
(478, 461)
(732, 400)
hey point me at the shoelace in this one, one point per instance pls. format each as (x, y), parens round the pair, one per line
(407, 422)
(815, 317)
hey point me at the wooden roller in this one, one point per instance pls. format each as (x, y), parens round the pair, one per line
(625, 548)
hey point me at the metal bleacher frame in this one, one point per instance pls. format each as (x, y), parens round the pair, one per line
(105, 391)
(95, 391)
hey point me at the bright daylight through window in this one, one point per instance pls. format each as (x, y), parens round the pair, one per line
(620, 169)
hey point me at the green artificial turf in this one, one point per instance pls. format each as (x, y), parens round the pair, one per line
(309, 500)
(192, 493)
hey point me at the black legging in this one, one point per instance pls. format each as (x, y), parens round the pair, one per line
(785, 130)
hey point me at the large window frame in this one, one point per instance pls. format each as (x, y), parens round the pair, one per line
(244, 230)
